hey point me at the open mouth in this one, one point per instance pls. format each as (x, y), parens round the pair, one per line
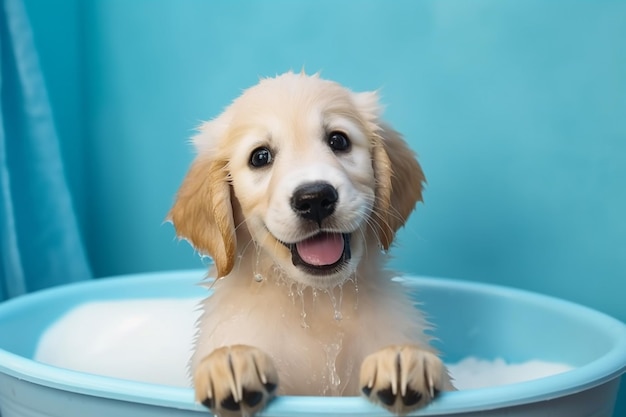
(321, 254)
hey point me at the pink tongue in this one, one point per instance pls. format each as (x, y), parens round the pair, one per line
(323, 249)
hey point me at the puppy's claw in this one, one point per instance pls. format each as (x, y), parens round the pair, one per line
(270, 387)
(411, 397)
(235, 380)
(208, 403)
(431, 388)
(400, 378)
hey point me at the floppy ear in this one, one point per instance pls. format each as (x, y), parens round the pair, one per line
(399, 183)
(203, 212)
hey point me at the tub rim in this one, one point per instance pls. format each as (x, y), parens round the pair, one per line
(598, 372)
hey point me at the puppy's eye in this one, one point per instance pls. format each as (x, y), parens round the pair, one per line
(260, 157)
(338, 142)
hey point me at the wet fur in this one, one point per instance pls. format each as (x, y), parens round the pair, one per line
(317, 331)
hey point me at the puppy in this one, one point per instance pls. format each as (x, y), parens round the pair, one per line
(296, 194)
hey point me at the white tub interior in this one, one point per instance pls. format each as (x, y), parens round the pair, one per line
(150, 340)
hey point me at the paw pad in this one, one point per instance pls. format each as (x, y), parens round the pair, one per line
(403, 378)
(235, 380)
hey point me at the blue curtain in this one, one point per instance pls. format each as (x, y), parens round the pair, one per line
(40, 243)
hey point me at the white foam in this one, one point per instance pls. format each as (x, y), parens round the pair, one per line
(474, 373)
(141, 340)
(150, 341)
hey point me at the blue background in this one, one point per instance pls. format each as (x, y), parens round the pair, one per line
(516, 108)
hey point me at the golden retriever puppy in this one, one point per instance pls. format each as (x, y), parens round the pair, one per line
(296, 194)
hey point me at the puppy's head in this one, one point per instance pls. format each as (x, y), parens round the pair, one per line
(301, 171)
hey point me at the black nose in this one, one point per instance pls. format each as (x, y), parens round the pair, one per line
(314, 201)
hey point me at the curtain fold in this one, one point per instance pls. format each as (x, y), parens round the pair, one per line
(40, 243)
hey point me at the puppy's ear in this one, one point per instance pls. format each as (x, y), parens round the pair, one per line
(399, 183)
(203, 212)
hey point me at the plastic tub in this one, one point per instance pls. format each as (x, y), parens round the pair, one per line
(472, 320)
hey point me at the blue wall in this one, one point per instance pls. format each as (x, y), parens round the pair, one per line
(517, 109)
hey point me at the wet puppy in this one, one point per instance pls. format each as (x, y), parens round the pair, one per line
(296, 193)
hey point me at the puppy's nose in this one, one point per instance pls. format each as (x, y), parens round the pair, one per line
(314, 201)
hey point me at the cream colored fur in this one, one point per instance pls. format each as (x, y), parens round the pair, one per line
(270, 322)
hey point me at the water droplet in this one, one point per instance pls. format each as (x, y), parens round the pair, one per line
(333, 379)
(314, 294)
(300, 291)
(336, 304)
(338, 315)
(353, 278)
(303, 322)
(291, 294)
(258, 277)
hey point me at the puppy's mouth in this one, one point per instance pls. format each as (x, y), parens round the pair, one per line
(321, 254)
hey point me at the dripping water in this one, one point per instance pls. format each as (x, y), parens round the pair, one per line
(338, 315)
(297, 293)
(353, 279)
(300, 291)
(336, 303)
(333, 380)
(314, 294)
(258, 277)
(291, 293)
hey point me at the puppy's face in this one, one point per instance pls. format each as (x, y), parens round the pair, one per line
(306, 171)
(301, 169)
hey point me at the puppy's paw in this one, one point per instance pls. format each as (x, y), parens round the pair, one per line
(235, 380)
(403, 378)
